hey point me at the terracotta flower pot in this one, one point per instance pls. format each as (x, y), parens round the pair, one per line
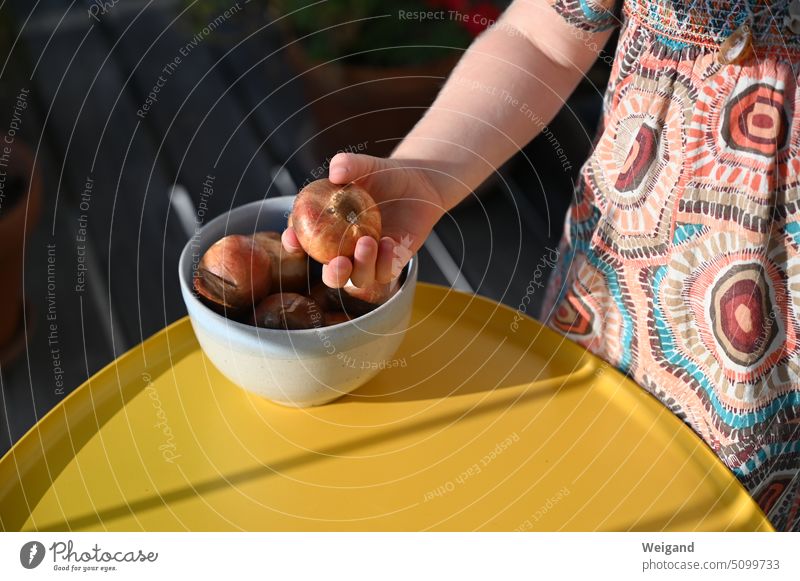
(20, 207)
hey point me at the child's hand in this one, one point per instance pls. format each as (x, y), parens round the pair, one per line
(409, 206)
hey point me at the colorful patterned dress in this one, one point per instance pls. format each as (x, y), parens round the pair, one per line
(680, 262)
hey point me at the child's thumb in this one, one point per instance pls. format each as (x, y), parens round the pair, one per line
(348, 167)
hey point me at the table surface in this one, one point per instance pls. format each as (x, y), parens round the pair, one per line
(486, 422)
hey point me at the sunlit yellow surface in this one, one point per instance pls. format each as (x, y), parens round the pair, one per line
(478, 427)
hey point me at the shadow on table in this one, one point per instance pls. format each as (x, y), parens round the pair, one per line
(468, 346)
(37, 459)
(208, 486)
(460, 381)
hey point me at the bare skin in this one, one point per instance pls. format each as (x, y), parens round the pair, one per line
(508, 85)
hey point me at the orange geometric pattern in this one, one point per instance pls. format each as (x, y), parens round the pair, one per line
(680, 262)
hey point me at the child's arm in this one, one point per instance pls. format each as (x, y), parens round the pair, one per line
(508, 85)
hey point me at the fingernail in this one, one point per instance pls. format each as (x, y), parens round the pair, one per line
(387, 245)
(288, 242)
(338, 173)
(365, 246)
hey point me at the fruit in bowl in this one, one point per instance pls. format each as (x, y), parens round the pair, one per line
(233, 274)
(281, 357)
(287, 311)
(351, 299)
(255, 278)
(289, 271)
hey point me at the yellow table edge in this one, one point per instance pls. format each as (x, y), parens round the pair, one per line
(10, 471)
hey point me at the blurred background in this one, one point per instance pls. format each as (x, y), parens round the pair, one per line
(127, 124)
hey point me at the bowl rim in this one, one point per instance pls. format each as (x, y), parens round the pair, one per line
(409, 272)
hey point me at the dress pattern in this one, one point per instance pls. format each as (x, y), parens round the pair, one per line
(680, 262)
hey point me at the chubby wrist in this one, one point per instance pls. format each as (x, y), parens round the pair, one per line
(444, 179)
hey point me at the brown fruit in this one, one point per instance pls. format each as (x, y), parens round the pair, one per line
(356, 301)
(334, 318)
(325, 297)
(234, 273)
(328, 219)
(288, 311)
(289, 269)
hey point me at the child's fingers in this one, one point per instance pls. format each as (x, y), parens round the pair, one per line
(348, 167)
(290, 241)
(364, 257)
(337, 272)
(383, 266)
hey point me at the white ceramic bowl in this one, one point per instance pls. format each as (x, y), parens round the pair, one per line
(294, 368)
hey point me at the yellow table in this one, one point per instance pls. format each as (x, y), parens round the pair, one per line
(478, 427)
